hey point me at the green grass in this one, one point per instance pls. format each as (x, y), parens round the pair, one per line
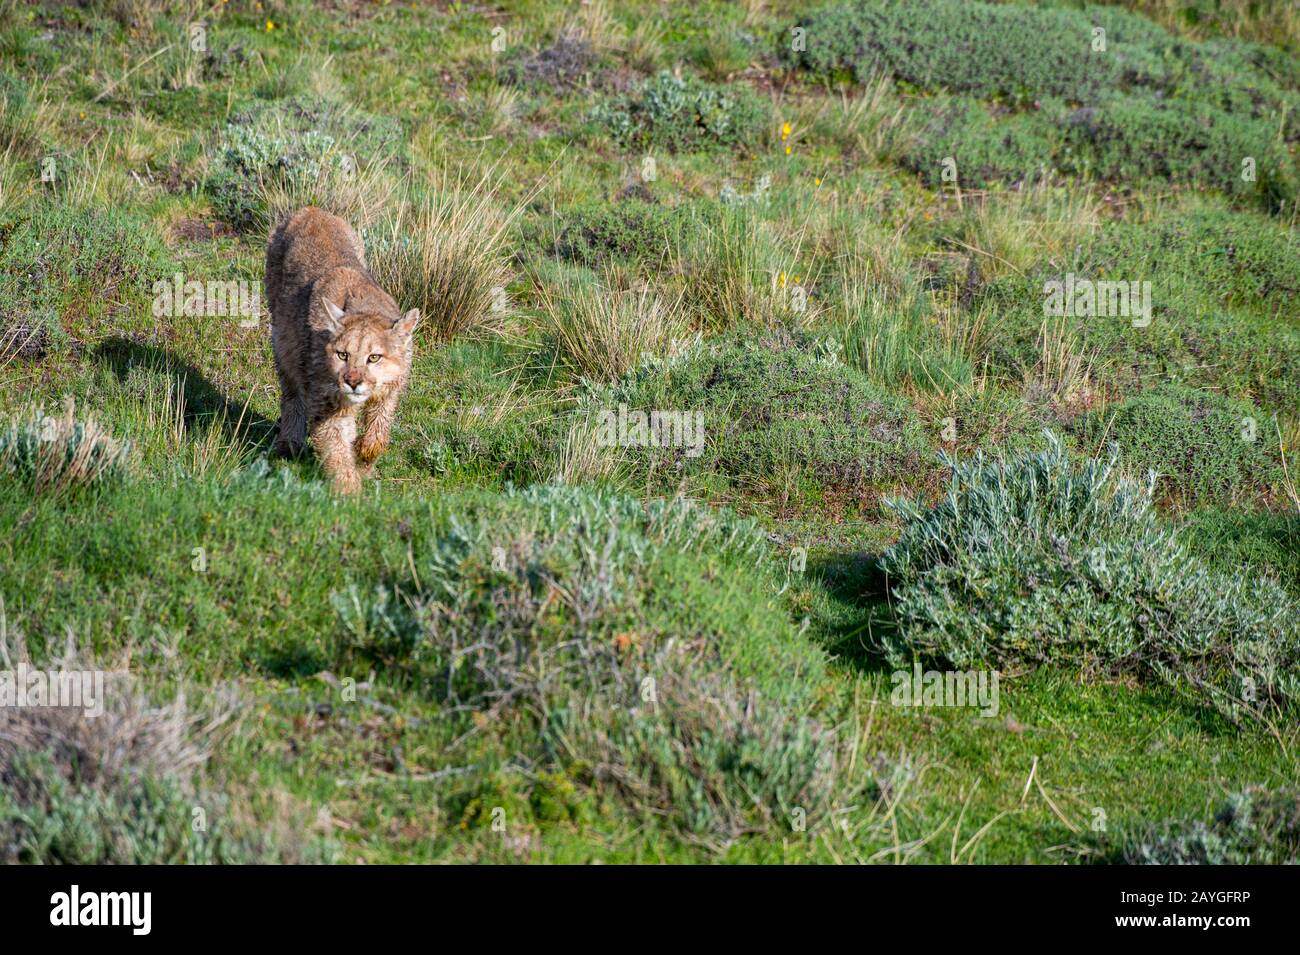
(452, 666)
(1092, 92)
(1224, 450)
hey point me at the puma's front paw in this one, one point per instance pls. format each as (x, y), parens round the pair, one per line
(369, 448)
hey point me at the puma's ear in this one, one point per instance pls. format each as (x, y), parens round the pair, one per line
(333, 313)
(406, 324)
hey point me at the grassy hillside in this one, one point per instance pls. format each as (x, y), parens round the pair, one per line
(824, 237)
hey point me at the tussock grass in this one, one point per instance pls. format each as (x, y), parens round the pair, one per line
(1066, 367)
(735, 270)
(898, 344)
(11, 186)
(129, 785)
(645, 45)
(873, 120)
(496, 110)
(133, 734)
(603, 329)
(166, 431)
(1042, 558)
(1013, 230)
(891, 330)
(445, 249)
(584, 459)
(60, 455)
(28, 122)
(311, 71)
(594, 23)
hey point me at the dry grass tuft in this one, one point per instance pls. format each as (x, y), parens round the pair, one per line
(56, 455)
(1064, 374)
(446, 251)
(584, 458)
(132, 736)
(603, 330)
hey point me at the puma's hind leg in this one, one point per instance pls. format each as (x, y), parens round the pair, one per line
(293, 426)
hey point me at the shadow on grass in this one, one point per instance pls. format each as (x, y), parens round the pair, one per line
(860, 618)
(859, 622)
(202, 399)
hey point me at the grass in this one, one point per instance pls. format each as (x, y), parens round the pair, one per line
(59, 455)
(1039, 558)
(1124, 103)
(532, 640)
(603, 330)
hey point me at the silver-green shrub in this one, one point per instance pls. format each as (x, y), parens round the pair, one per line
(1043, 559)
(53, 455)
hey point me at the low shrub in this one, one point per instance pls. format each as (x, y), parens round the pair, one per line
(1205, 448)
(720, 760)
(63, 266)
(300, 151)
(1041, 559)
(1250, 544)
(632, 232)
(683, 114)
(50, 455)
(1219, 281)
(1097, 91)
(1234, 259)
(123, 787)
(985, 149)
(559, 68)
(1140, 138)
(1257, 826)
(782, 413)
(1021, 54)
(637, 641)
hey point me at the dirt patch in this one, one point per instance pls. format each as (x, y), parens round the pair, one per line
(196, 230)
(23, 339)
(565, 65)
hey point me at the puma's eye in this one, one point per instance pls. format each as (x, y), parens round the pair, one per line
(374, 358)
(343, 356)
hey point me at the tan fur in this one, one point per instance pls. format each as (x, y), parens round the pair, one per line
(328, 318)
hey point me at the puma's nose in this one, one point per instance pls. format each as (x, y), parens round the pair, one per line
(352, 378)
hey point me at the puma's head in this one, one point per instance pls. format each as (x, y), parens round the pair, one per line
(367, 350)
